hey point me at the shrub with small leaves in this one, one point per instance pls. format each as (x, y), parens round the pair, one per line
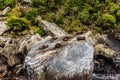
(17, 24)
(31, 15)
(106, 21)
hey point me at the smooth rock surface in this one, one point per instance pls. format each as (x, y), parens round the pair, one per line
(61, 58)
(27, 1)
(52, 28)
(5, 11)
(3, 27)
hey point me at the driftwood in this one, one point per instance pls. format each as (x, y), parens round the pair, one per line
(61, 58)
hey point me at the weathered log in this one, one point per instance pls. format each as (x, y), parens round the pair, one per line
(61, 59)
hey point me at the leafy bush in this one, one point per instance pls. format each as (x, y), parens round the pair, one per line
(40, 32)
(84, 16)
(106, 21)
(4, 3)
(37, 3)
(50, 16)
(70, 24)
(113, 7)
(31, 15)
(17, 24)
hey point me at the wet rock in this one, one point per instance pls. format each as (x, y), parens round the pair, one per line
(3, 27)
(5, 11)
(51, 28)
(71, 61)
(107, 57)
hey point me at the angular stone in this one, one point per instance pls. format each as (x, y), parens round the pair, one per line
(52, 28)
(10, 53)
(27, 1)
(100, 49)
(61, 60)
(3, 18)
(26, 43)
(3, 27)
(5, 11)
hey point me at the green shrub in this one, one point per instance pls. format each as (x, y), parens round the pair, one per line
(4, 3)
(106, 21)
(113, 7)
(31, 15)
(42, 9)
(40, 32)
(84, 16)
(17, 24)
(70, 24)
(50, 17)
(37, 3)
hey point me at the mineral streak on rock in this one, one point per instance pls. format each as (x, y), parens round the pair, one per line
(71, 61)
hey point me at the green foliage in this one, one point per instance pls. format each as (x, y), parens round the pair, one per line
(71, 24)
(50, 16)
(31, 15)
(84, 16)
(113, 7)
(36, 3)
(106, 21)
(71, 14)
(17, 24)
(40, 32)
(4, 3)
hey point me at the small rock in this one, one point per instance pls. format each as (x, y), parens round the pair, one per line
(80, 38)
(101, 49)
(3, 18)
(65, 38)
(20, 78)
(10, 52)
(3, 27)
(27, 1)
(51, 28)
(5, 11)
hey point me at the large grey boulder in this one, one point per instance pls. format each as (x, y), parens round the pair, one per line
(3, 27)
(52, 28)
(67, 57)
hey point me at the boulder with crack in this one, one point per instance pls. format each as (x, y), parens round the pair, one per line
(67, 57)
